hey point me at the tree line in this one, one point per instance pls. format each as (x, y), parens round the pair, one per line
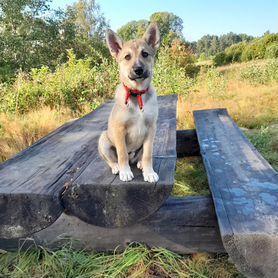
(32, 35)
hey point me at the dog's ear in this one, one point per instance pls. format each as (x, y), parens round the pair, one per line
(152, 36)
(114, 43)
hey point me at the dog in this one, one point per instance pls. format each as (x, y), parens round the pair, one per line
(132, 123)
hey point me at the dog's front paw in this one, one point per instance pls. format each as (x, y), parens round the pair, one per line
(126, 175)
(151, 176)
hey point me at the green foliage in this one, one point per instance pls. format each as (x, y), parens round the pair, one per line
(31, 35)
(263, 73)
(266, 141)
(220, 59)
(271, 51)
(170, 26)
(211, 44)
(133, 30)
(202, 57)
(215, 83)
(264, 47)
(170, 78)
(71, 85)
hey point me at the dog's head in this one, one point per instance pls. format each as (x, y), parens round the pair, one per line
(135, 57)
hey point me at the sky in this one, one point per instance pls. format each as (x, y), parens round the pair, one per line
(200, 17)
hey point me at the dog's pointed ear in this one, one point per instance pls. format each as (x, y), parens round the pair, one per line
(152, 36)
(114, 42)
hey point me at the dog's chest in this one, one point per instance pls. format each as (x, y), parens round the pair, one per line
(138, 127)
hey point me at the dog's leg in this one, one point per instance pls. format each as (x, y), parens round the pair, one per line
(123, 161)
(147, 161)
(107, 152)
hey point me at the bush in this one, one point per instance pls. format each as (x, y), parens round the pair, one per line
(263, 73)
(220, 59)
(215, 83)
(169, 77)
(71, 85)
(271, 51)
(265, 47)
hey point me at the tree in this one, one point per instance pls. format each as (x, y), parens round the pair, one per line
(32, 35)
(87, 19)
(23, 32)
(133, 29)
(170, 27)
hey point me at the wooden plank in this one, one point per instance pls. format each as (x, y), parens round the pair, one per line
(244, 189)
(187, 143)
(100, 198)
(183, 225)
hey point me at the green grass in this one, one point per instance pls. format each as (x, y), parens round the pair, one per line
(190, 178)
(135, 261)
(265, 140)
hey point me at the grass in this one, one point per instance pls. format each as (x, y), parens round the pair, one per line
(18, 132)
(136, 261)
(190, 178)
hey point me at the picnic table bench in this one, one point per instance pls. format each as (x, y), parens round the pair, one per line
(59, 189)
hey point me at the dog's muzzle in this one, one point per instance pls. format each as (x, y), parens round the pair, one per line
(141, 74)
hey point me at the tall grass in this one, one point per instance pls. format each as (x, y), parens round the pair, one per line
(251, 106)
(18, 132)
(136, 260)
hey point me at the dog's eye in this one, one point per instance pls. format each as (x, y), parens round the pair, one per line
(145, 54)
(127, 57)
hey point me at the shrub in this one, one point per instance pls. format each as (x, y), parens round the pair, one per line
(265, 47)
(220, 59)
(263, 73)
(271, 51)
(215, 83)
(171, 78)
(71, 85)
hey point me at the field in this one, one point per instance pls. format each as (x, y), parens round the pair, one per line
(247, 90)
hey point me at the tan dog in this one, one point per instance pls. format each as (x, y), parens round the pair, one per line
(131, 127)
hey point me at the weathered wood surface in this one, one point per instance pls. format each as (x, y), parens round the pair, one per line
(100, 198)
(187, 143)
(32, 182)
(244, 189)
(183, 225)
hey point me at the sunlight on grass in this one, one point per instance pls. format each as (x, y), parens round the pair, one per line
(135, 261)
(17, 132)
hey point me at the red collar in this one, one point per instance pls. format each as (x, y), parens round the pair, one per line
(135, 93)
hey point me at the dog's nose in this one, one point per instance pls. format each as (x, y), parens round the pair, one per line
(138, 71)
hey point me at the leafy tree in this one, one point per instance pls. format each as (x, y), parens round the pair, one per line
(133, 29)
(24, 35)
(170, 27)
(84, 29)
(32, 35)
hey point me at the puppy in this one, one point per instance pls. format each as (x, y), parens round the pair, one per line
(132, 122)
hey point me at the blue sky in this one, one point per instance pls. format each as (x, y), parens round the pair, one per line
(200, 17)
